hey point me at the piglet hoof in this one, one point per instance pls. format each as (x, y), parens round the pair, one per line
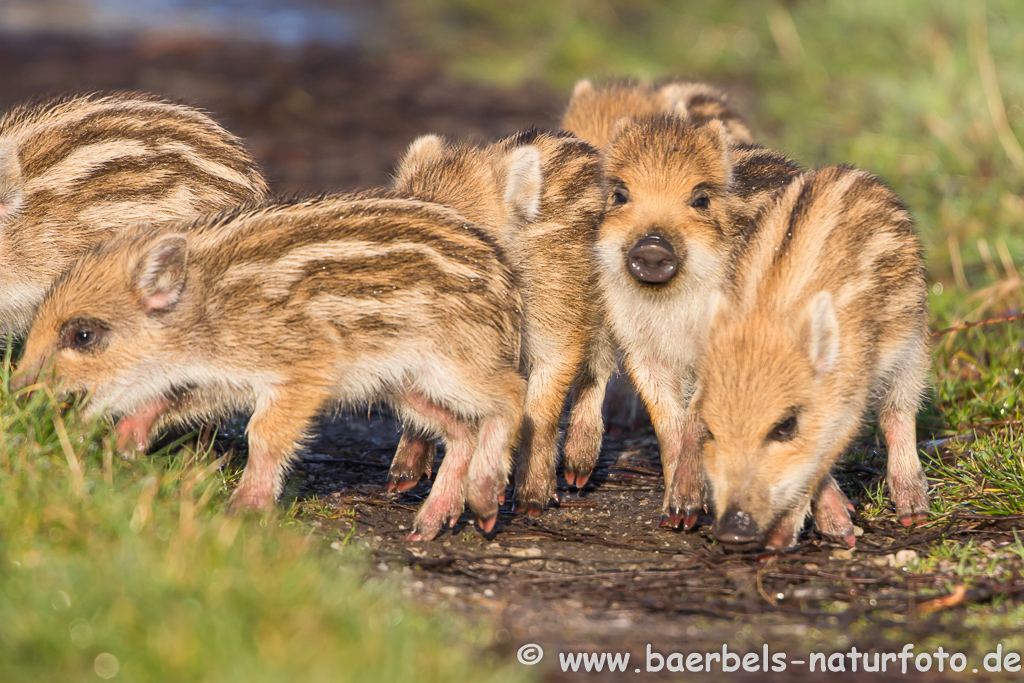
(401, 483)
(243, 501)
(781, 540)
(570, 477)
(911, 499)
(831, 512)
(671, 519)
(417, 536)
(501, 498)
(690, 518)
(487, 524)
(581, 479)
(530, 508)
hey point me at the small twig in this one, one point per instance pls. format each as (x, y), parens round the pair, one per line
(985, 425)
(320, 459)
(990, 321)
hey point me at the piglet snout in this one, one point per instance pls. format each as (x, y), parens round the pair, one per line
(24, 378)
(736, 526)
(652, 259)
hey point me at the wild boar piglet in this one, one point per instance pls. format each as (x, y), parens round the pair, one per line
(594, 111)
(76, 169)
(540, 195)
(827, 319)
(680, 197)
(286, 310)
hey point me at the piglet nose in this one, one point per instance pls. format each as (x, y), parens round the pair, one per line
(652, 260)
(736, 526)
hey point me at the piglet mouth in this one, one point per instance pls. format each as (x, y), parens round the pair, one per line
(739, 532)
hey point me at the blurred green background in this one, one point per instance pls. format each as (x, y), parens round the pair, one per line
(929, 96)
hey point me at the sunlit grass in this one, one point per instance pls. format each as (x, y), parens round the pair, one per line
(130, 570)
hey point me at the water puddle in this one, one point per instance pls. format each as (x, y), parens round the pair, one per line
(287, 24)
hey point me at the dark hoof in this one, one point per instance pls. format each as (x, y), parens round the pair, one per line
(690, 519)
(401, 483)
(671, 520)
(534, 509)
(487, 525)
(652, 260)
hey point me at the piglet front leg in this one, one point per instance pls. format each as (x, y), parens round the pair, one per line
(489, 469)
(831, 510)
(276, 430)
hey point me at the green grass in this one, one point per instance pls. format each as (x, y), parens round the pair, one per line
(110, 561)
(130, 569)
(928, 96)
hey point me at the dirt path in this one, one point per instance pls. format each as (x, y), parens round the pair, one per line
(596, 572)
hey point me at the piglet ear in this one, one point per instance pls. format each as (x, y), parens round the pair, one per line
(524, 183)
(675, 99)
(583, 87)
(161, 275)
(11, 181)
(822, 335)
(422, 151)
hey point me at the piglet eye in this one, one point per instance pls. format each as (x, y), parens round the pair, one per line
(82, 334)
(700, 202)
(618, 197)
(83, 339)
(784, 430)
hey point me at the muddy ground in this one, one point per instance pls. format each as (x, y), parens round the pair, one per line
(594, 573)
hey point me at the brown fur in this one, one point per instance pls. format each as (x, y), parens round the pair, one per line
(594, 112)
(74, 170)
(288, 309)
(540, 195)
(826, 317)
(656, 168)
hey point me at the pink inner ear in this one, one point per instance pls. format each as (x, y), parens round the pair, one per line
(157, 301)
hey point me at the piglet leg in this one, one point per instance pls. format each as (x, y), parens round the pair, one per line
(586, 424)
(679, 447)
(546, 390)
(414, 459)
(786, 531)
(133, 430)
(447, 494)
(908, 485)
(276, 431)
(489, 469)
(831, 510)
